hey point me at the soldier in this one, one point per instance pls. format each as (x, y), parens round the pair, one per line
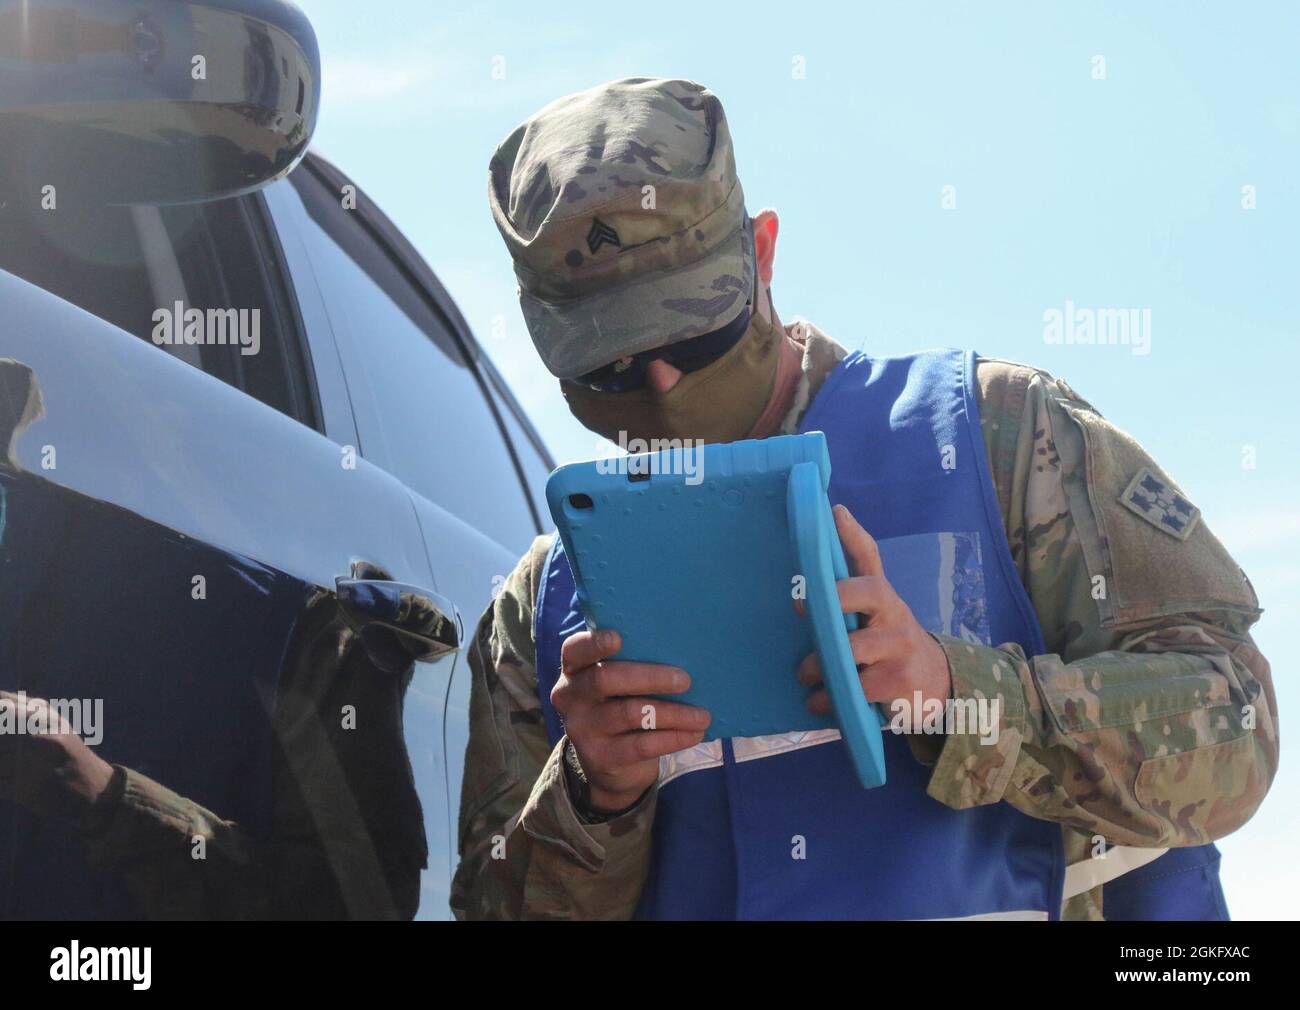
(1088, 599)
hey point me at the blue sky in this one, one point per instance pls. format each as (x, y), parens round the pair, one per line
(1122, 192)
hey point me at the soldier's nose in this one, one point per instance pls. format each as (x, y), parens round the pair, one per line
(661, 376)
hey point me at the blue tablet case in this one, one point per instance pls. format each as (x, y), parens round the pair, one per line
(696, 566)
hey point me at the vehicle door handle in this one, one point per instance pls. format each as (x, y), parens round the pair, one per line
(424, 624)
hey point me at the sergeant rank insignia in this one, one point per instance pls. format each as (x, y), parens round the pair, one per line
(1160, 505)
(601, 234)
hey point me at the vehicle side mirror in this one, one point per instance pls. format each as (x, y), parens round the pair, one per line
(153, 101)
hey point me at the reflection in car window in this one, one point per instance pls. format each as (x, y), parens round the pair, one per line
(430, 424)
(90, 257)
(125, 263)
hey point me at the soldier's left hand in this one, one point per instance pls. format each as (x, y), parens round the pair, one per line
(52, 772)
(896, 657)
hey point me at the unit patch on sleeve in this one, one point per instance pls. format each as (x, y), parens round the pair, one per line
(1160, 505)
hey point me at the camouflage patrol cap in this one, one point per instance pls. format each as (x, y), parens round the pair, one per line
(622, 211)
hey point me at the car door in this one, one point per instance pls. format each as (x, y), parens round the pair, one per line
(180, 523)
(430, 413)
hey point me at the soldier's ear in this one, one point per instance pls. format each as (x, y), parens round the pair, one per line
(766, 226)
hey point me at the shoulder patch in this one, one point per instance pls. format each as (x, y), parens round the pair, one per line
(1159, 504)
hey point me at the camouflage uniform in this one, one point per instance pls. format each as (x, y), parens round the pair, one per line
(1149, 722)
(1133, 726)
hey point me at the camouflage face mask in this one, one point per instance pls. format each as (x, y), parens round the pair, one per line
(718, 403)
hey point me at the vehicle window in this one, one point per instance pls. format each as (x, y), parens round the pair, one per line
(203, 282)
(531, 456)
(423, 416)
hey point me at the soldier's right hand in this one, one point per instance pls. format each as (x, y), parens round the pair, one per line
(618, 732)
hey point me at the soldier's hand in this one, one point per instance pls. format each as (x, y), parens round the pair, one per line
(619, 732)
(896, 657)
(50, 772)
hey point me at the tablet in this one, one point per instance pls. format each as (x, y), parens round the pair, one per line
(695, 557)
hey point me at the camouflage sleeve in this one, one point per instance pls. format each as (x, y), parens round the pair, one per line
(345, 837)
(1151, 720)
(181, 861)
(525, 851)
(150, 837)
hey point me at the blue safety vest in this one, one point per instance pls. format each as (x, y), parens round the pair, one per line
(778, 826)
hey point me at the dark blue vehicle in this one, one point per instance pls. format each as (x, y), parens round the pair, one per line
(366, 459)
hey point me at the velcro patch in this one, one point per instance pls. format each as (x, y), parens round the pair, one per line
(1159, 504)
